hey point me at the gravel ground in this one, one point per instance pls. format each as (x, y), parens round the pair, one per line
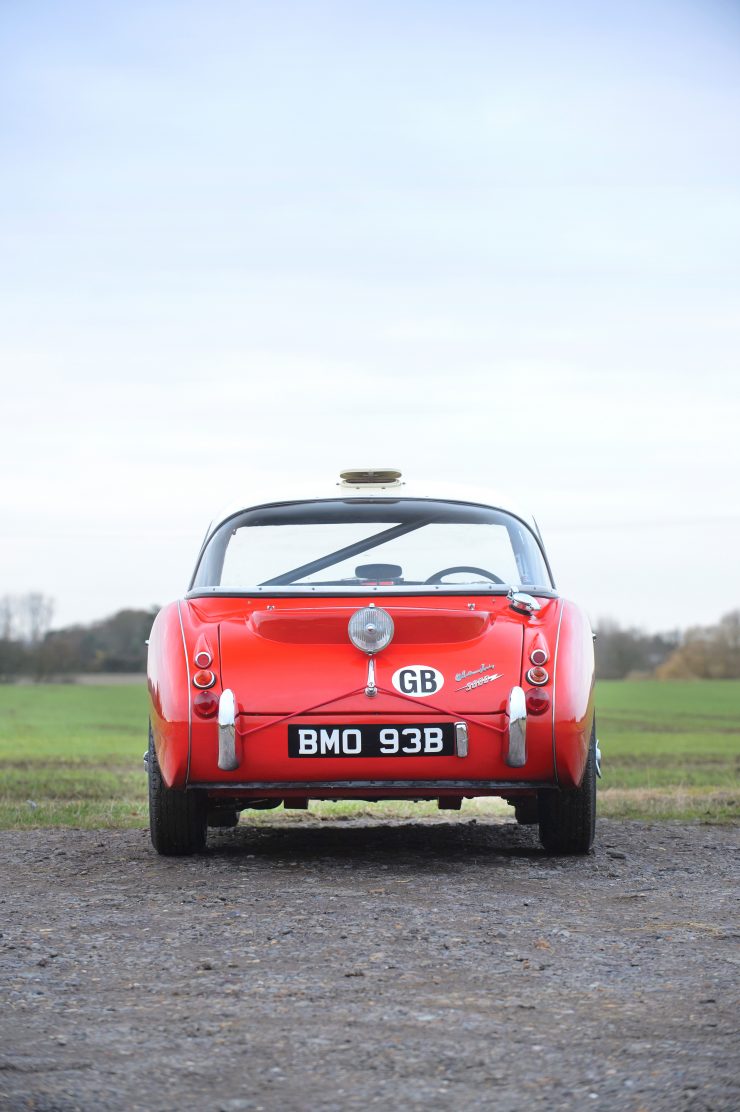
(437, 964)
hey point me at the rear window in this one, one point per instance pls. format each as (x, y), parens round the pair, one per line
(357, 545)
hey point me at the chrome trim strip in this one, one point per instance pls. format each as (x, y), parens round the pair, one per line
(461, 739)
(190, 693)
(516, 748)
(377, 785)
(391, 593)
(227, 758)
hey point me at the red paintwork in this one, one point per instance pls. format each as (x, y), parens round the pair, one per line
(291, 659)
(170, 692)
(573, 706)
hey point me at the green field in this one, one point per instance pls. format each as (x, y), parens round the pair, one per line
(670, 748)
(72, 755)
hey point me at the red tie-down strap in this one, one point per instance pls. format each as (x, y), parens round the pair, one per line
(498, 729)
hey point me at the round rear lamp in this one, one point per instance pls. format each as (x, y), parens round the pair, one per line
(204, 679)
(205, 703)
(538, 656)
(538, 701)
(538, 676)
(370, 629)
(203, 658)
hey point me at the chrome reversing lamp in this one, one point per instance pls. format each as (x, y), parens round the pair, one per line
(370, 629)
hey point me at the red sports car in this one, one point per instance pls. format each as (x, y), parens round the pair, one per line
(376, 643)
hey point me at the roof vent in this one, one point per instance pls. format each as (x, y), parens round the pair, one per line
(360, 478)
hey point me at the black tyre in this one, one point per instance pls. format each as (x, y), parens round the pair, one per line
(177, 819)
(568, 818)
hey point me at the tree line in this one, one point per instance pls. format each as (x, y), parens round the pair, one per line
(29, 647)
(709, 652)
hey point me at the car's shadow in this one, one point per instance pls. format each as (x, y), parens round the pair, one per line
(436, 843)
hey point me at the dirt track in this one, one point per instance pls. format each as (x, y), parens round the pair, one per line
(433, 965)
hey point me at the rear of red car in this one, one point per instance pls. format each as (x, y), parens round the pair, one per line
(295, 669)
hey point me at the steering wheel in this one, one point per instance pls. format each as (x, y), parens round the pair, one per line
(439, 575)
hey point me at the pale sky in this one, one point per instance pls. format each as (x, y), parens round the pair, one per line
(492, 243)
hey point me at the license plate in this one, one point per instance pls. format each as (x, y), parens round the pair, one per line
(435, 739)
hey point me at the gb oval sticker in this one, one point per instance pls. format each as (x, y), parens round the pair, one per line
(417, 680)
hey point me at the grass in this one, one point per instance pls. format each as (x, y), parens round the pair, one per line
(671, 749)
(73, 723)
(71, 756)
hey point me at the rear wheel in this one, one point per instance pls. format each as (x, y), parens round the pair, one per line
(567, 819)
(177, 819)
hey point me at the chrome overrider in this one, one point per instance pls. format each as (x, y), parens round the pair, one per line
(461, 739)
(227, 758)
(516, 749)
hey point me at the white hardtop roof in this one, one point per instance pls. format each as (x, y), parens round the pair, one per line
(337, 488)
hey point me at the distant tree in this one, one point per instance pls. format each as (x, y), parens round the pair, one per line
(621, 652)
(36, 611)
(7, 618)
(24, 621)
(706, 652)
(121, 640)
(62, 652)
(26, 617)
(13, 660)
(114, 644)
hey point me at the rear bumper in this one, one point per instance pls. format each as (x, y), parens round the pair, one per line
(378, 789)
(250, 754)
